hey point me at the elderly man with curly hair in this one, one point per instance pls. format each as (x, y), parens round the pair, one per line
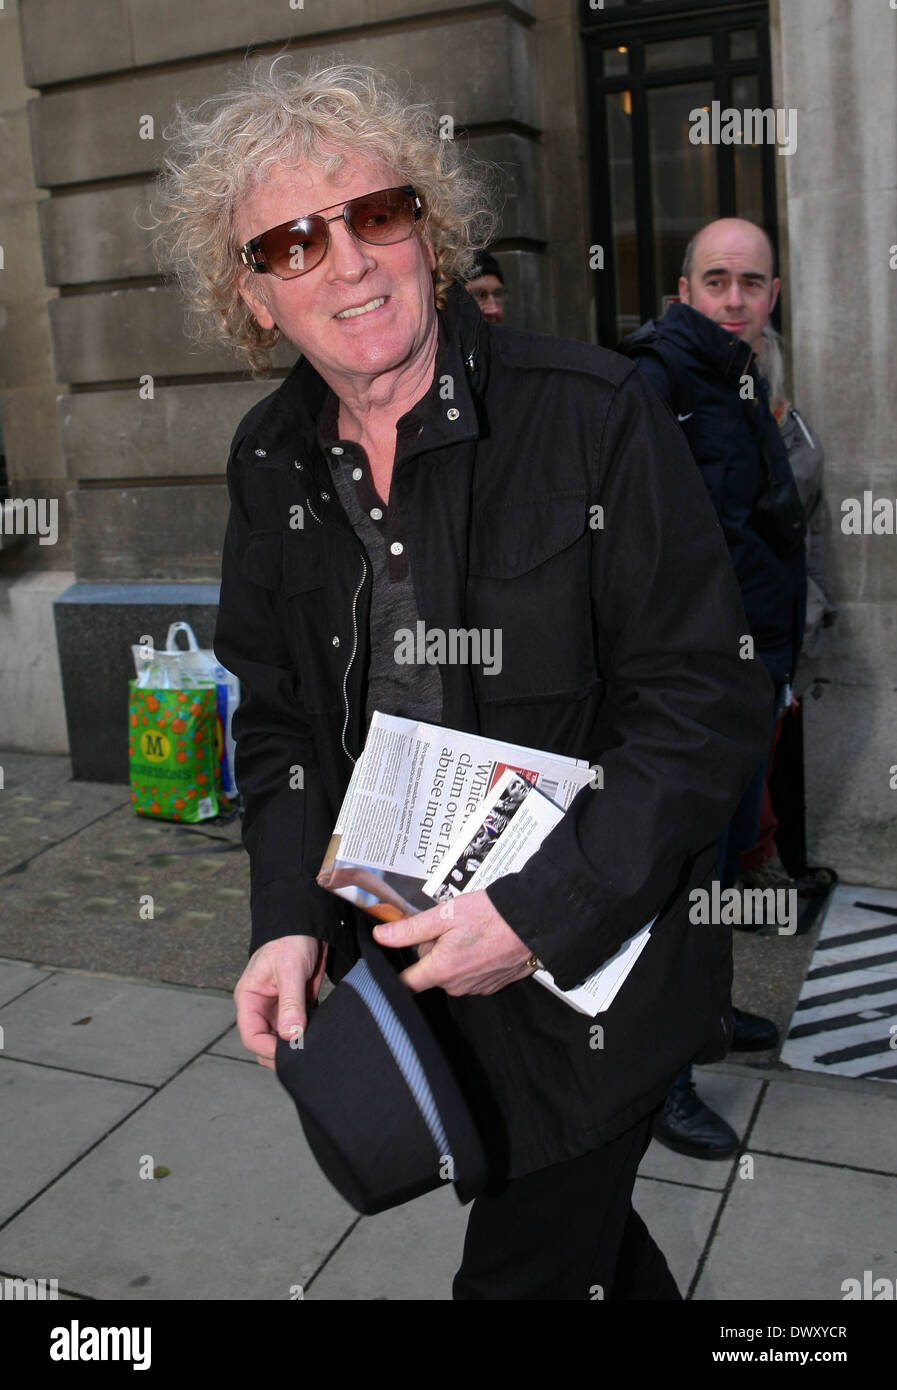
(469, 476)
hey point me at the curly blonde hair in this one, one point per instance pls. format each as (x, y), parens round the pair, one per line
(278, 115)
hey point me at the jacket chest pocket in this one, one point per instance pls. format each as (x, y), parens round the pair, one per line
(529, 586)
(285, 563)
(286, 556)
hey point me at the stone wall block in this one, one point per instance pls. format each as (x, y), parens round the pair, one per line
(143, 534)
(94, 132)
(182, 430)
(64, 39)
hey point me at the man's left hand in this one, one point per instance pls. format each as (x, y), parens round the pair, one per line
(466, 947)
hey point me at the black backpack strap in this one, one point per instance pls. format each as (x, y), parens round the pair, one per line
(678, 374)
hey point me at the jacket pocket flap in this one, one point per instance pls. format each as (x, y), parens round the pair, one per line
(512, 539)
(262, 561)
(292, 563)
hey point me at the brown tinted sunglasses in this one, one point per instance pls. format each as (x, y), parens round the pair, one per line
(296, 247)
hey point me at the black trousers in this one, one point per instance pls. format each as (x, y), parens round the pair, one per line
(566, 1232)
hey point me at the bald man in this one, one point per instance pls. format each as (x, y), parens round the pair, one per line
(728, 275)
(702, 359)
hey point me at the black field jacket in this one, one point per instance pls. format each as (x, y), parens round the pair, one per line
(560, 504)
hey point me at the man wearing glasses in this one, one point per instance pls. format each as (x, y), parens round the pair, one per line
(449, 471)
(487, 285)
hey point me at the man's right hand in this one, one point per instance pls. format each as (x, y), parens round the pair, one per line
(276, 990)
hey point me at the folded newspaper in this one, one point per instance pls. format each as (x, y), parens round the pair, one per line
(432, 812)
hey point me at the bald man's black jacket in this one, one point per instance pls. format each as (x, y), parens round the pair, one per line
(561, 505)
(711, 368)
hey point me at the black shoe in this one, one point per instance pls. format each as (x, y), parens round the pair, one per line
(772, 874)
(753, 1033)
(816, 883)
(690, 1127)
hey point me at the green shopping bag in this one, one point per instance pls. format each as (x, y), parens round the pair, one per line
(175, 765)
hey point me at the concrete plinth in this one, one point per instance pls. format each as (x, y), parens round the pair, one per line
(32, 717)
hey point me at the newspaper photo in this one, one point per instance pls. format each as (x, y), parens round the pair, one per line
(414, 786)
(498, 839)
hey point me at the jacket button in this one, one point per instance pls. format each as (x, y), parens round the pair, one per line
(325, 496)
(261, 453)
(453, 412)
(334, 641)
(397, 547)
(337, 449)
(297, 464)
(376, 513)
(357, 474)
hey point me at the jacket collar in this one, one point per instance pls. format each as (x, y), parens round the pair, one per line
(449, 412)
(726, 354)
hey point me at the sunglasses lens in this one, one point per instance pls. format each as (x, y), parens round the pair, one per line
(382, 218)
(294, 247)
(377, 218)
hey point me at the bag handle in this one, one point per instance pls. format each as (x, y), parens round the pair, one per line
(171, 640)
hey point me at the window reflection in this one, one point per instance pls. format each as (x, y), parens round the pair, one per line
(622, 188)
(679, 53)
(743, 43)
(748, 158)
(616, 61)
(683, 178)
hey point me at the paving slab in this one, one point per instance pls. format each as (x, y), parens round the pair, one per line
(85, 902)
(410, 1253)
(49, 1118)
(679, 1218)
(797, 1230)
(230, 1046)
(115, 1028)
(839, 1126)
(16, 979)
(40, 805)
(733, 1097)
(244, 1212)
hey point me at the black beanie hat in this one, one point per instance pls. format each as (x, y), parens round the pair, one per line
(485, 265)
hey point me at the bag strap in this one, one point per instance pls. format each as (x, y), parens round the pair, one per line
(677, 374)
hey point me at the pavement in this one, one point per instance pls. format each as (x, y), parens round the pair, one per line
(148, 1156)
